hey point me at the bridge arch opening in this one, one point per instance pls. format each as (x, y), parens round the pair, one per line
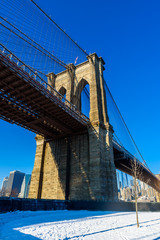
(62, 91)
(82, 97)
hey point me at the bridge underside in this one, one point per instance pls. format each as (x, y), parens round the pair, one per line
(26, 102)
(125, 164)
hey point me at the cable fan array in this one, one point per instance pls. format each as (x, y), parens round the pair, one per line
(33, 36)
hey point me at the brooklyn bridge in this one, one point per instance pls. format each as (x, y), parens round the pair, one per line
(46, 87)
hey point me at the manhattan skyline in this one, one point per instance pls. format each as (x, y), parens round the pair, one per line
(127, 36)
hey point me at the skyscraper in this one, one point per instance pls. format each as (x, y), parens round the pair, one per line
(25, 186)
(14, 183)
(126, 177)
(118, 181)
(122, 179)
(4, 186)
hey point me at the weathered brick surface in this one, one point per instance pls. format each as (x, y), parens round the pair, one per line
(36, 173)
(157, 193)
(90, 173)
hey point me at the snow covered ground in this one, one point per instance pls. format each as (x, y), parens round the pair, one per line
(73, 225)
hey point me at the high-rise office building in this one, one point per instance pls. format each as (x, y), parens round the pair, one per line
(14, 183)
(126, 178)
(118, 185)
(122, 178)
(132, 182)
(4, 186)
(25, 186)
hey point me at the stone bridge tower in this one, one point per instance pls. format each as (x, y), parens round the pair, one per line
(79, 167)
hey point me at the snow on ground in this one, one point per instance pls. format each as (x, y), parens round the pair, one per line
(55, 225)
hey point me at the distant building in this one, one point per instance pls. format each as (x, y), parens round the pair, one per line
(126, 178)
(131, 182)
(25, 186)
(14, 183)
(145, 193)
(126, 194)
(4, 186)
(118, 181)
(122, 178)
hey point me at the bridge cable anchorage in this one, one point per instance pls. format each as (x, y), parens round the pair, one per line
(125, 124)
(58, 26)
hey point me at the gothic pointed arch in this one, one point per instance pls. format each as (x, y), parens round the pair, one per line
(81, 85)
(82, 96)
(62, 91)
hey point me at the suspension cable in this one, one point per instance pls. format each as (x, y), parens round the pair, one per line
(125, 124)
(52, 56)
(49, 54)
(58, 26)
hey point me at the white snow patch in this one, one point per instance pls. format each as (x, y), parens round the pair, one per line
(55, 225)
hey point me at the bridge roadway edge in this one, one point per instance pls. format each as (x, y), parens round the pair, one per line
(90, 71)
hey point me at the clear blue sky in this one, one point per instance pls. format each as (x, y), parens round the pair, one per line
(127, 35)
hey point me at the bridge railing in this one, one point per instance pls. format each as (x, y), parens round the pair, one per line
(128, 154)
(35, 76)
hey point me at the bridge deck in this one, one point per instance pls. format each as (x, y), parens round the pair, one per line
(26, 102)
(124, 161)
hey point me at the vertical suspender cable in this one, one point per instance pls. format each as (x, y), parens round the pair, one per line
(58, 26)
(125, 123)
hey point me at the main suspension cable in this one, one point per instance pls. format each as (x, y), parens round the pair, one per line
(125, 124)
(58, 26)
(52, 56)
